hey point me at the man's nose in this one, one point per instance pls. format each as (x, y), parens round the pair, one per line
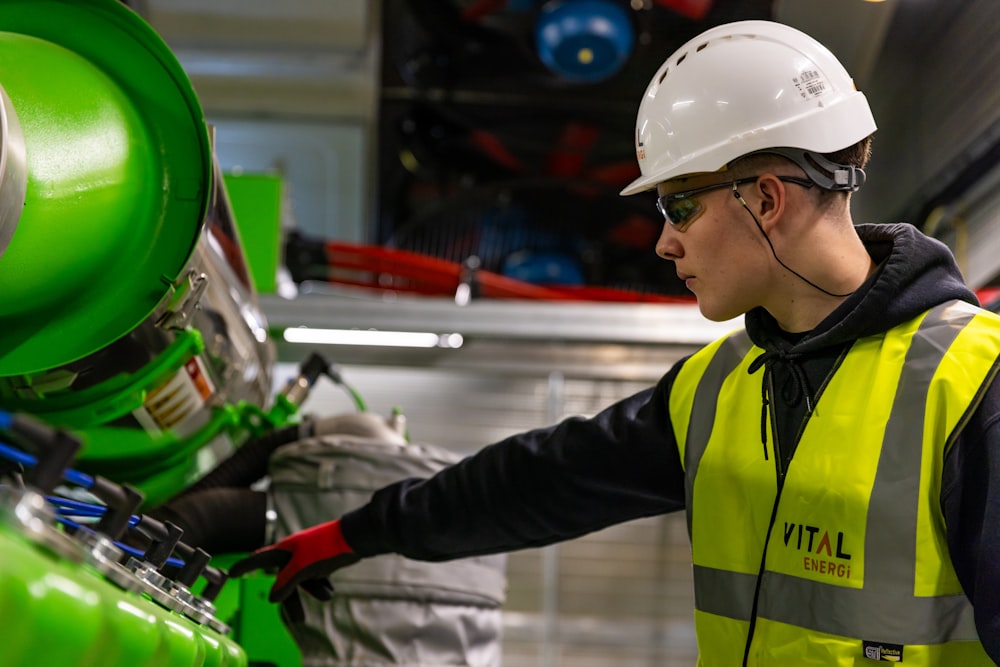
(668, 246)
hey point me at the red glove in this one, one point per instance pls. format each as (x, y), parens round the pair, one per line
(303, 559)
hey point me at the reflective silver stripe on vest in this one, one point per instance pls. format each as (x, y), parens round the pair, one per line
(706, 395)
(886, 606)
(724, 593)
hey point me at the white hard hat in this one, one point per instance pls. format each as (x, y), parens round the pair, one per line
(739, 88)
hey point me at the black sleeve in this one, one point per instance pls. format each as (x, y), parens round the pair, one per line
(970, 497)
(534, 488)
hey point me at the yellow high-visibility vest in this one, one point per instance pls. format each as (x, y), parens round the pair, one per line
(845, 561)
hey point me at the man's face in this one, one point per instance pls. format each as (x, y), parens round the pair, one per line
(714, 249)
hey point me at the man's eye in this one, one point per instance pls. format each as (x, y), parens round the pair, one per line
(681, 209)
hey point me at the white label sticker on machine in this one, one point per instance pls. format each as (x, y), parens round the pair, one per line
(185, 394)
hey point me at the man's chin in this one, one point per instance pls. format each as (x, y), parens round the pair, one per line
(717, 312)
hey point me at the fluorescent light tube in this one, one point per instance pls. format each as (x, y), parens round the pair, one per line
(372, 337)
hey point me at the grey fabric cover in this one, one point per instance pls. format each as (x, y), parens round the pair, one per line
(386, 610)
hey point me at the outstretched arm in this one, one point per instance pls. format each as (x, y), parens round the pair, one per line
(529, 490)
(534, 488)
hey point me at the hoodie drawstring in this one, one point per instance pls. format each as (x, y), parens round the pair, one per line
(799, 385)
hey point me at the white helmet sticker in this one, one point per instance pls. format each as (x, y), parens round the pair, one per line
(810, 83)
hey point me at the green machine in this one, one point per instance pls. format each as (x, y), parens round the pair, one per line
(127, 312)
(66, 600)
(129, 318)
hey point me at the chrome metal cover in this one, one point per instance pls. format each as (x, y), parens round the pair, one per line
(13, 171)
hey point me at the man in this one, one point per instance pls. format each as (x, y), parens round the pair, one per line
(836, 459)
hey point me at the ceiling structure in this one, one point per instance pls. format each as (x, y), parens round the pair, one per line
(478, 148)
(327, 42)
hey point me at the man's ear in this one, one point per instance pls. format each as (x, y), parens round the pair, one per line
(772, 199)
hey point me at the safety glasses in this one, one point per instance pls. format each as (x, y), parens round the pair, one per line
(681, 208)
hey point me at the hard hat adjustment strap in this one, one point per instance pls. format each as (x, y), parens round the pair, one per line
(825, 173)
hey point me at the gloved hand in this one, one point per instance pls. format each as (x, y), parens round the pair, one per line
(303, 559)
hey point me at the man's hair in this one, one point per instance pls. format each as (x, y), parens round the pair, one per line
(856, 155)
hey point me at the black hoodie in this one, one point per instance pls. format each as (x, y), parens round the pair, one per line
(582, 475)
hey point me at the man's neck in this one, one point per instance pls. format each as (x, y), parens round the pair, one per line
(802, 307)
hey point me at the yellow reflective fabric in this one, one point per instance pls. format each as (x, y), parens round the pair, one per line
(726, 639)
(735, 486)
(820, 523)
(790, 646)
(959, 376)
(867, 471)
(682, 393)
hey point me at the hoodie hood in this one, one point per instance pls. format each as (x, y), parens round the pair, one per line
(915, 273)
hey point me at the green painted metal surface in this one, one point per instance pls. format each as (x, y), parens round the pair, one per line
(56, 612)
(256, 202)
(158, 464)
(256, 622)
(119, 176)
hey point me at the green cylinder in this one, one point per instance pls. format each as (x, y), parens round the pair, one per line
(118, 178)
(57, 612)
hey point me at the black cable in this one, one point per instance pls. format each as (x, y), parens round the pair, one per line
(219, 520)
(248, 463)
(798, 275)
